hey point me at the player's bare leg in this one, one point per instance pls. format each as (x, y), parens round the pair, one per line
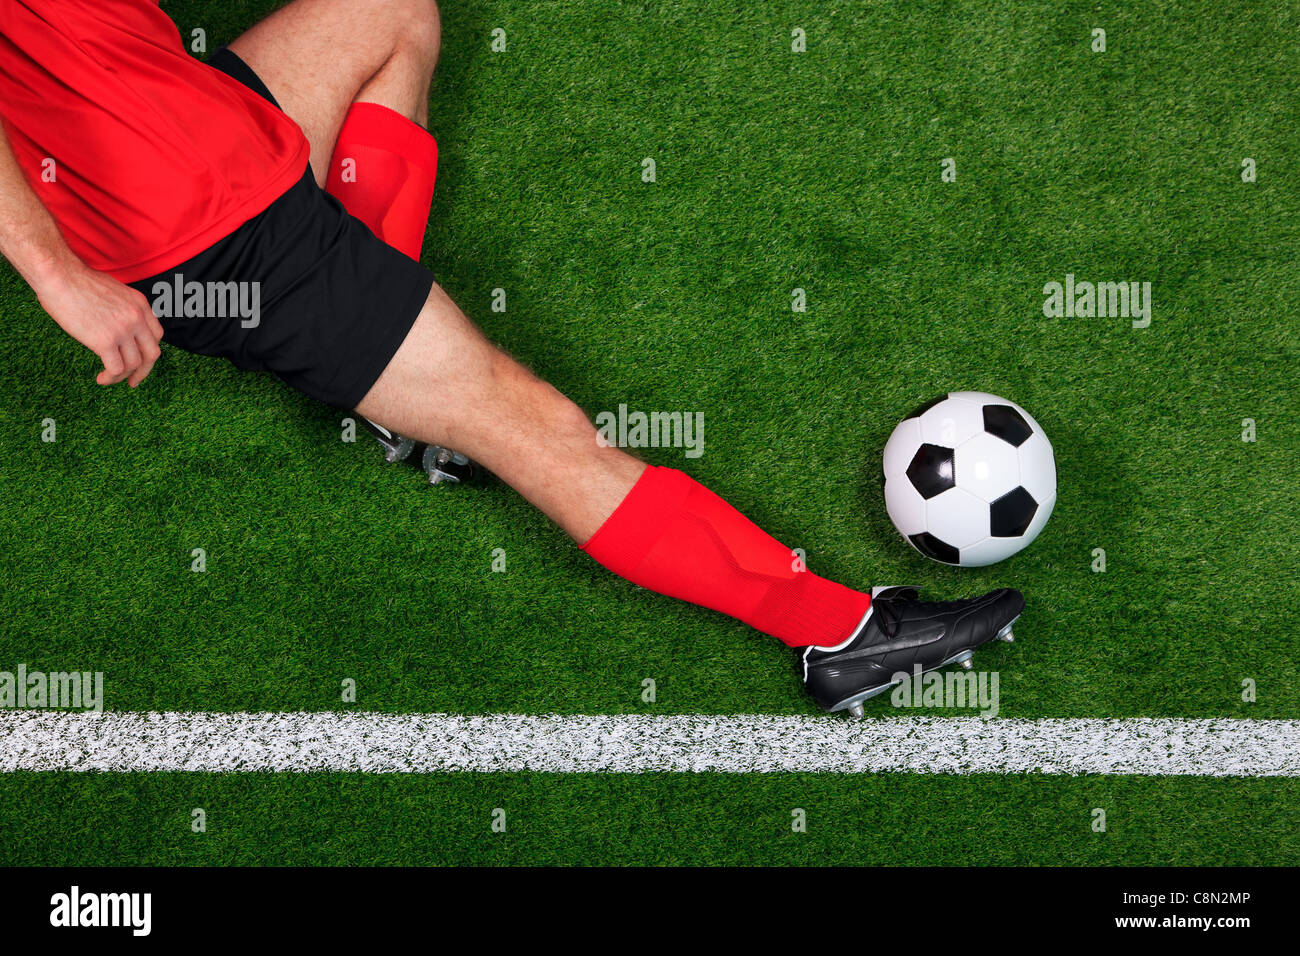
(448, 385)
(318, 57)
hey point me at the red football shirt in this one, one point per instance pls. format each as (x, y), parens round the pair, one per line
(153, 155)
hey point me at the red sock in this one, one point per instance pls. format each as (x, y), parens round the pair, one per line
(383, 171)
(672, 535)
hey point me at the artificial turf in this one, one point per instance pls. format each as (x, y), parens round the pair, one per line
(774, 171)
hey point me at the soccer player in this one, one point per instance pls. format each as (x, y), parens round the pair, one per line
(296, 162)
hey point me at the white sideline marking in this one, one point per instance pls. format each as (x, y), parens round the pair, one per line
(434, 743)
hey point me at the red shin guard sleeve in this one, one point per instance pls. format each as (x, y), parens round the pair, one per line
(383, 170)
(672, 535)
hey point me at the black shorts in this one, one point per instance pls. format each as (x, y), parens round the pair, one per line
(333, 301)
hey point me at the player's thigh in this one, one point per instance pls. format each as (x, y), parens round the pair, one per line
(446, 383)
(315, 55)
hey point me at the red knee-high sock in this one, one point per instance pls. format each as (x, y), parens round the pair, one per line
(672, 535)
(383, 171)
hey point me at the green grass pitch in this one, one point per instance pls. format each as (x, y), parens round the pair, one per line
(819, 170)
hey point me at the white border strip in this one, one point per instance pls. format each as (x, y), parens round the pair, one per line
(437, 743)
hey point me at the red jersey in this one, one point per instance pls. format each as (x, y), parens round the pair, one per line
(143, 155)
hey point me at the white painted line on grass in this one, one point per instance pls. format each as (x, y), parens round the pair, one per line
(436, 743)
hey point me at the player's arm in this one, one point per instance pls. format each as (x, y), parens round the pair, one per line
(111, 319)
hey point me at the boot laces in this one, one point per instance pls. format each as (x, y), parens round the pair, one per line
(888, 615)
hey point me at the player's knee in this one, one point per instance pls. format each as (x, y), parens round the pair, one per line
(420, 28)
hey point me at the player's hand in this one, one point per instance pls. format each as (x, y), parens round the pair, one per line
(111, 319)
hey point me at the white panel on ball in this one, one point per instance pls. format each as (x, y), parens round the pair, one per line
(902, 446)
(957, 518)
(950, 423)
(990, 551)
(905, 505)
(987, 467)
(1038, 467)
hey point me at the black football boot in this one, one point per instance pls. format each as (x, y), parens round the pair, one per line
(444, 465)
(900, 631)
(396, 448)
(441, 465)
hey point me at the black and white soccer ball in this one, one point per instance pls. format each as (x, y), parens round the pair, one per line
(970, 479)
